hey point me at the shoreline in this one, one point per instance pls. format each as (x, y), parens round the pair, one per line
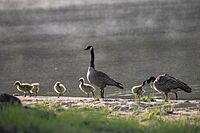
(175, 108)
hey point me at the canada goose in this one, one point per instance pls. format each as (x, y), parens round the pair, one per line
(166, 83)
(138, 89)
(59, 88)
(35, 89)
(23, 87)
(86, 88)
(6, 98)
(99, 78)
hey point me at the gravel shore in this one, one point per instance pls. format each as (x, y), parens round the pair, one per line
(178, 107)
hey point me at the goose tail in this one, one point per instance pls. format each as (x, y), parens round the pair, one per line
(183, 86)
(112, 82)
(178, 83)
(186, 88)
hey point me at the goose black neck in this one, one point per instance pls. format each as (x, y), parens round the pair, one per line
(143, 83)
(151, 79)
(82, 82)
(92, 58)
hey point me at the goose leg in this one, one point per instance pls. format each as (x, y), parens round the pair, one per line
(139, 98)
(102, 92)
(166, 97)
(88, 95)
(93, 94)
(134, 95)
(29, 93)
(176, 95)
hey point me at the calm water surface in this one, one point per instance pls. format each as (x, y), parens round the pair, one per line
(133, 40)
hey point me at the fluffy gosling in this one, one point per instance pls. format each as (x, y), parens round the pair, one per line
(137, 90)
(59, 89)
(86, 88)
(23, 87)
(34, 91)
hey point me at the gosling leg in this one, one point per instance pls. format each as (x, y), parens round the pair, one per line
(93, 94)
(29, 93)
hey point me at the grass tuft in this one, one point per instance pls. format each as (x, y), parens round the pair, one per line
(42, 118)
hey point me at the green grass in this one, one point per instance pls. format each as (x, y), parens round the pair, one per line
(41, 118)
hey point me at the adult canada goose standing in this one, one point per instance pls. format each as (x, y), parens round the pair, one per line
(166, 83)
(99, 78)
(86, 88)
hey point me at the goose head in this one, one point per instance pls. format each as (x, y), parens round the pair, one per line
(57, 83)
(88, 47)
(143, 83)
(81, 80)
(151, 79)
(17, 83)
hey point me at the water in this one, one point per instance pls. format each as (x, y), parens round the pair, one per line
(133, 40)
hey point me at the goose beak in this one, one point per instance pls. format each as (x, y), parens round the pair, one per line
(14, 83)
(88, 47)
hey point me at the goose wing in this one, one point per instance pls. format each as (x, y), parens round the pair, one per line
(102, 77)
(105, 79)
(168, 82)
(63, 88)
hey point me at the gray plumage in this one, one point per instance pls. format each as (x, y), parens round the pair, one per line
(101, 79)
(166, 83)
(98, 78)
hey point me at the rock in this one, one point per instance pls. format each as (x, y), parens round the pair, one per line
(6, 98)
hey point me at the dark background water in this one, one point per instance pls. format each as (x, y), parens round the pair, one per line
(43, 41)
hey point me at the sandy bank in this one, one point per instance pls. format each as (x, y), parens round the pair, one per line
(179, 107)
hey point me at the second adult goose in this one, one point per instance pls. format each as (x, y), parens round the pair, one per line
(98, 78)
(166, 83)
